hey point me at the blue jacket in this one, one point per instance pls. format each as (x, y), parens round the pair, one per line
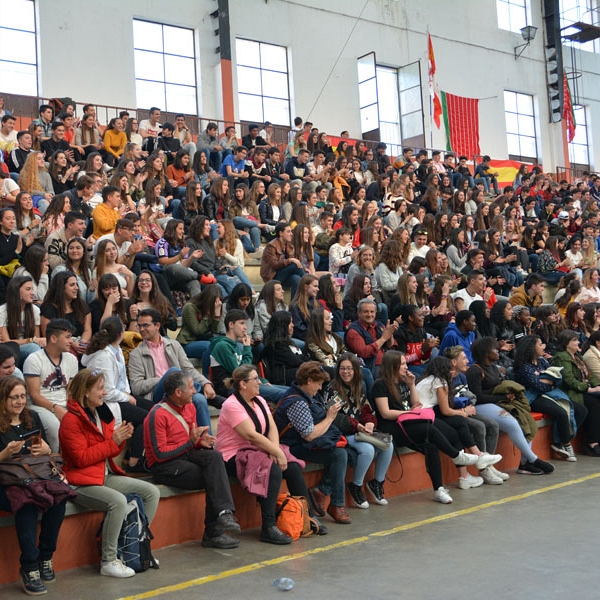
(455, 337)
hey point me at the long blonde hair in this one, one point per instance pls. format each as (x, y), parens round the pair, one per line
(229, 241)
(29, 180)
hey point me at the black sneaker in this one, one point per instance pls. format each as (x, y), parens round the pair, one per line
(544, 466)
(528, 468)
(274, 535)
(376, 489)
(223, 541)
(47, 571)
(32, 583)
(357, 496)
(227, 522)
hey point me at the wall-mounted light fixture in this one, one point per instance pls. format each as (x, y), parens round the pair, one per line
(528, 33)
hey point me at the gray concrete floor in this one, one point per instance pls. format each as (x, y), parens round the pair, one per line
(532, 537)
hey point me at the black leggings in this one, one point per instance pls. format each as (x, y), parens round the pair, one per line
(295, 482)
(135, 414)
(459, 424)
(560, 417)
(592, 421)
(428, 439)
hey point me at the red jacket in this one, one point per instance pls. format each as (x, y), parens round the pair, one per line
(84, 448)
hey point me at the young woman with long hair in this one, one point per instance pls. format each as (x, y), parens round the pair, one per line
(87, 135)
(552, 264)
(35, 265)
(270, 300)
(204, 174)
(54, 217)
(322, 343)
(104, 355)
(574, 320)
(281, 355)
(64, 302)
(330, 299)
(132, 128)
(216, 203)
(28, 219)
(568, 294)
(590, 288)
(181, 171)
(230, 253)
(244, 212)
(156, 169)
(406, 291)
(106, 263)
(303, 241)
(548, 325)
(35, 179)
(191, 205)
(120, 181)
(152, 206)
(147, 294)
(389, 269)
(442, 306)
(77, 262)
(62, 175)
(270, 211)
(111, 302)
(303, 303)
(35, 130)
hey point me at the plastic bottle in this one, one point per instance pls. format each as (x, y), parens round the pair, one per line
(283, 583)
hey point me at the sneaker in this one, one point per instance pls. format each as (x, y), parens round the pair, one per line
(47, 571)
(528, 468)
(274, 535)
(32, 583)
(490, 477)
(464, 460)
(442, 495)
(503, 476)
(572, 456)
(485, 460)
(470, 481)
(223, 541)
(226, 523)
(544, 466)
(376, 489)
(357, 496)
(115, 568)
(561, 450)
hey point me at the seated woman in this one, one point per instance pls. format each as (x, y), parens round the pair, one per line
(406, 293)
(35, 265)
(311, 435)
(483, 376)
(413, 340)
(548, 325)
(341, 253)
(230, 253)
(109, 302)
(104, 355)
(64, 302)
(441, 305)
(89, 443)
(201, 318)
(147, 294)
(582, 386)
(434, 388)
(395, 393)
(574, 320)
(29, 222)
(77, 263)
(590, 291)
(389, 269)
(37, 567)
(303, 242)
(244, 213)
(241, 299)
(246, 426)
(191, 205)
(54, 217)
(322, 344)
(348, 389)
(20, 318)
(303, 303)
(62, 175)
(359, 289)
(270, 300)
(35, 180)
(552, 265)
(281, 355)
(330, 299)
(528, 370)
(570, 294)
(106, 263)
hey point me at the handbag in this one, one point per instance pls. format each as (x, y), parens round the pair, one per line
(378, 439)
(418, 414)
(24, 469)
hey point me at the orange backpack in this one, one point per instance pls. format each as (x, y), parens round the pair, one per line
(292, 516)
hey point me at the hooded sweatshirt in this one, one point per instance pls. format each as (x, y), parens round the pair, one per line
(455, 337)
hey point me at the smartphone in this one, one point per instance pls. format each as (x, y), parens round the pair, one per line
(32, 438)
(475, 244)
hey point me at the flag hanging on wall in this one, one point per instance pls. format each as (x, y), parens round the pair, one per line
(461, 120)
(434, 91)
(568, 113)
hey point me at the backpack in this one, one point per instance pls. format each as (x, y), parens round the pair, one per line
(133, 546)
(293, 517)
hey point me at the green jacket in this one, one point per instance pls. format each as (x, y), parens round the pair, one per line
(194, 328)
(573, 382)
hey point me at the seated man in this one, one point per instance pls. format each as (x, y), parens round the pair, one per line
(278, 260)
(531, 293)
(318, 173)
(57, 142)
(106, 215)
(150, 128)
(297, 168)
(460, 333)
(419, 247)
(18, 156)
(475, 290)
(234, 166)
(252, 139)
(367, 338)
(208, 142)
(226, 355)
(168, 144)
(8, 135)
(256, 166)
(180, 453)
(483, 172)
(155, 357)
(46, 113)
(56, 243)
(47, 373)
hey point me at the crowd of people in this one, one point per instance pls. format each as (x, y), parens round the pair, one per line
(416, 309)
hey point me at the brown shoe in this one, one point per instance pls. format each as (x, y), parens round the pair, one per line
(317, 501)
(339, 514)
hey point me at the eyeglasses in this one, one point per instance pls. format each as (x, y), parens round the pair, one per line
(346, 369)
(144, 325)
(144, 280)
(257, 379)
(18, 397)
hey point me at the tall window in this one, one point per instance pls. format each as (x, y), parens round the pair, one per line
(18, 51)
(585, 11)
(263, 82)
(520, 127)
(389, 108)
(165, 67)
(579, 150)
(513, 15)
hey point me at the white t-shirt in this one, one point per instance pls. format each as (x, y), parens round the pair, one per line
(4, 316)
(466, 298)
(53, 378)
(427, 390)
(153, 130)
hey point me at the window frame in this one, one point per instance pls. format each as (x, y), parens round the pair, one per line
(578, 143)
(512, 6)
(533, 116)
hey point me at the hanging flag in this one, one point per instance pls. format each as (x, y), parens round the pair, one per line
(568, 112)
(434, 91)
(461, 120)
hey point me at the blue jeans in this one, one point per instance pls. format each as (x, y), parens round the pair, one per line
(290, 277)
(25, 350)
(252, 228)
(272, 393)
(198, 399)
(228, 282)
(199, 349)
(364, 453)
(553, 277)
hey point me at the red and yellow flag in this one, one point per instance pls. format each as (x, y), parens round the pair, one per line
(568, 113)
(434, 91)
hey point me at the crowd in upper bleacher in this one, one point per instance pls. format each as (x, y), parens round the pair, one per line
(416, 290)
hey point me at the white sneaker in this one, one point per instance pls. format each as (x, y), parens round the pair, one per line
(442, 495)
(485, 460)
(503, 476)
(470, 481)
(116, 568)
(490, 477)
(464, 460)
(569, 449)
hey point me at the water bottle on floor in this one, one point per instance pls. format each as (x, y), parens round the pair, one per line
(283, 583)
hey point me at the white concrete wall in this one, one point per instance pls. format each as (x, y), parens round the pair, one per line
(86, 53)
